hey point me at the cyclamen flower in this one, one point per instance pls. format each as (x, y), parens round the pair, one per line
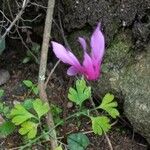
(90, 67)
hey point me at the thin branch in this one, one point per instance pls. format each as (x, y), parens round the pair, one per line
(31, 20)
(109, 142)
(52, 71)
(25, 2)
(42, 69)
(38, 5)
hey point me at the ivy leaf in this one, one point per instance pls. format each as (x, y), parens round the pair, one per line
(109, 105)
(40, 108)
(81, 93)
(100, 124)
(28, 83)
(20, 114)
(29, 128)
(77, 141)
(6, 129)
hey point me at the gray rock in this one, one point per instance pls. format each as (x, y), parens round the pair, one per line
(4, 76)
(113, 14)
(135, 85)
(132, 82)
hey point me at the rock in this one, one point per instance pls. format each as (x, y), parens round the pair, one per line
(135, 86)
(130, 82)
(4, 76)
(69, 105)
(113, 14)
(79, 13)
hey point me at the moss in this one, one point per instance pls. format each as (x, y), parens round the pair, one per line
(119, 47)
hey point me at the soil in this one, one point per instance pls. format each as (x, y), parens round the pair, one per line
(121, 136)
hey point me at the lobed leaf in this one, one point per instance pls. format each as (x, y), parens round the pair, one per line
(81, 93)
(109, 105)
(29, 128)
(20, 114)
(40, 108)
(100, 124)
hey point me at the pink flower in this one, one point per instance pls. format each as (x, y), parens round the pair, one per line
(90, 67)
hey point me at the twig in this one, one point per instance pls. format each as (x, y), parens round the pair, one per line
(25, 2)
(109, 142)
(52, 71)
(42, 69)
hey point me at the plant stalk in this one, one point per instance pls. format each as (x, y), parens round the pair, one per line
(42, 69)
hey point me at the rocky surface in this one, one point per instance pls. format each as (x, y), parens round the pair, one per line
(113, 15)
(129, 79)
(135, 86)
(4, 76)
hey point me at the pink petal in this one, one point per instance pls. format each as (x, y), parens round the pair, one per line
(72, 71)
(97, 44)
(88, 66)
(64, 55)
(82, 42)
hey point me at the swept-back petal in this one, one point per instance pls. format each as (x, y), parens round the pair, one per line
(82, 42)
(72, 71)
(64, 55)
(97, 44)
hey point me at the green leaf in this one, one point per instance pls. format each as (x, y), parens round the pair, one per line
(29, 128)
(56, 111)
(27, 104)
(2, 45)
(6, 129)
(28, 83)
(1, 107)
(4, 110)
(36, 90)
(26, 60)
(40, 108)
(81, 93)
(20, 114)
(59, 148)
(109, 105)
(77, 141)
(35, 47)
(1, 93)
(100, 124)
